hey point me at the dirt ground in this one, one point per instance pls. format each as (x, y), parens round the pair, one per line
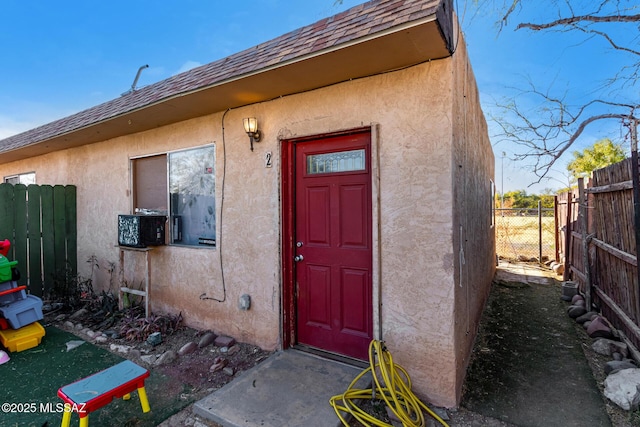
(194, 369)
(533, 365)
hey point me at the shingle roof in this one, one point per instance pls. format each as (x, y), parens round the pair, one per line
(361, 21)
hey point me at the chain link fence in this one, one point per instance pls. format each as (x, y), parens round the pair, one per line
(525, 234)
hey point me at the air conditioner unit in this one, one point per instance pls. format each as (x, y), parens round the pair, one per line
(140, 231)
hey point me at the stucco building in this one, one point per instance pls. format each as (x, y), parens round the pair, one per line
(364, 211)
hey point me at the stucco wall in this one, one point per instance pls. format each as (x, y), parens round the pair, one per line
(474, 236)
(416, 187)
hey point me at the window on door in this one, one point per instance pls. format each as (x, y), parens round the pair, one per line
(180, 185)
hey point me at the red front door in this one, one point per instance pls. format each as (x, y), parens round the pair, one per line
(333, 244)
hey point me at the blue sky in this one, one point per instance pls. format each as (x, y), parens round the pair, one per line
(62, 57)
(566, 64)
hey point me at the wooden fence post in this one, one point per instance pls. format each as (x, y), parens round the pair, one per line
(568, 242)
(636, 201)
(556, 220)
(582, 213)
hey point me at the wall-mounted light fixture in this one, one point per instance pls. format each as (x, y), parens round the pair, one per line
(251, 128)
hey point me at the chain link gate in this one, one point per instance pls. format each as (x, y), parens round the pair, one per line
(526, 234)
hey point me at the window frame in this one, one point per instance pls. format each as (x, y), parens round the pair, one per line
(19, 176)
(206, 242)
(493, 203)
(167, 196)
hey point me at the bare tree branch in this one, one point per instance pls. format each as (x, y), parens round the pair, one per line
(608, 39)
(512, 8)
(576, 19)
(547, 132)
(576, 134)
(543, 124)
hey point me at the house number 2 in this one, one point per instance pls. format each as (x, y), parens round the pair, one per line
(268, 162)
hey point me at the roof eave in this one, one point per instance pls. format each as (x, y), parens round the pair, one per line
(406, 45)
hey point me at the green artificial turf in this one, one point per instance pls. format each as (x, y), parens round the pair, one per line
(29, 384)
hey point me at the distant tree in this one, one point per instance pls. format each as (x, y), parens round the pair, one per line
(519, 199)
(599, 155)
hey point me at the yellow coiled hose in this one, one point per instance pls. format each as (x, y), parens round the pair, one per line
(394, 389)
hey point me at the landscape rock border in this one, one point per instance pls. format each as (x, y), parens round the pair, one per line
(622, 382)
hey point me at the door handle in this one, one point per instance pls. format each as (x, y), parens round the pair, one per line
(298, 258)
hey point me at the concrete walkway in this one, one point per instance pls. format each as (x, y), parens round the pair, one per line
(290, 388)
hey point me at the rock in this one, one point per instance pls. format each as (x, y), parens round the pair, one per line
(120, 348)
(607, 347)
(622, 388)
(576, 311)
(565, 298)
(580, 302)
(134, 352)
(207, 339)
(586, 317)
(586, 324)
(91, 334)
(79, 327)
(598, 328)
(188, 348)
(577, 298)
(614, 366)
(569, 289)
(218, 364)
(112, 334)
(229, 371)
(101, 339)
(149, 359)
(558, 269)
(46, 308)
(60, 317)
(167, 357)
(69, 324)
(79, 313)
(617, 356)
(155, 338)
(233, 350)
(224, 341)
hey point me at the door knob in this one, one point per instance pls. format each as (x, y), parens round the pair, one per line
(298, 258)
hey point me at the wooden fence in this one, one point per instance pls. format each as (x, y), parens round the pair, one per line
(40, 222)
(598, 242)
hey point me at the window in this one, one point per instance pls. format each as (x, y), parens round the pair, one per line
(22, 178)
(192, 197)
(343, 161)
(183, 181)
